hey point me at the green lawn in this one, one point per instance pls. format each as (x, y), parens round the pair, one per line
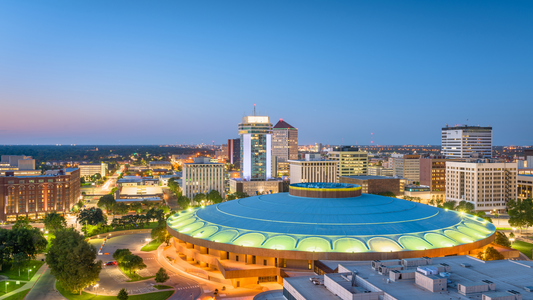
(162, 287)
(150, 225)
(151, 246)
(503, 228)
(11, 286)
(523, 247)
(18, 296)
(133, 277)
(86, 296)
(14, 274)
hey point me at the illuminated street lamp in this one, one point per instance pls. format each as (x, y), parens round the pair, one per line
(8, 283)
(96, 287)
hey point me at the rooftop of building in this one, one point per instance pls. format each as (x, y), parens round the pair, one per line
(160, 162)
(466, 127)
(367, 223)
(505, 274)
(367, 177)
(283, 125)
(139, 199)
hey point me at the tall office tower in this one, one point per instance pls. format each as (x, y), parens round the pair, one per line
(433, 174)
(284, 141)
(256, 148)
(487, 185)
(234, 152)
(466, 142)
(350, 161)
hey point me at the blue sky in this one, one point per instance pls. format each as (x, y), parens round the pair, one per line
(167, 72)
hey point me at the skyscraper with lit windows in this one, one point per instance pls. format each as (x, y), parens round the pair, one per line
(256, 148)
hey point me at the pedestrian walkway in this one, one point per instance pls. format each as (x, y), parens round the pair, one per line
(28, 284)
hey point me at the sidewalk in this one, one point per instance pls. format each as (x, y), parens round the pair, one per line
(28, 284)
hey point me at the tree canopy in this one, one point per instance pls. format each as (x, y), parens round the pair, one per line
(214, 196)
(161, 276)
(72, 260)
(107, 202)
(133, 262)
(91, 216)
(520, 212)
(120, 254)
(54, 221)
(502, 240)
(122, 295)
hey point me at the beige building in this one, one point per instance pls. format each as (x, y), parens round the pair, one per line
(160, 165)
(284, 147)
(201, 177)
(252, 188)
(313, 171)
(89, 170)
(350, 161)
(487, 185)
(524, 187)
(407, 166)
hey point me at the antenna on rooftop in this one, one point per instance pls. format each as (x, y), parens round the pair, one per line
(254, 109)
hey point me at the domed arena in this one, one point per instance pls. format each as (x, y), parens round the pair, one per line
(258, 236)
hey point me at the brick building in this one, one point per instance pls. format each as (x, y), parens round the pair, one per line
(34, 196)
(375, 184)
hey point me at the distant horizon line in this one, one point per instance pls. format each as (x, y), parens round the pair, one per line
(211, 145)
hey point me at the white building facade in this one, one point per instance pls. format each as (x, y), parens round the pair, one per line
(466, 142)
(487, 185)
(313, 171)
(202, 178)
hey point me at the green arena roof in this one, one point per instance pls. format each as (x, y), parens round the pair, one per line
(368, 223)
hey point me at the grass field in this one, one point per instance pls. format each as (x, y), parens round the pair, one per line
(151, 246)
(14, 274)
(503, 228)
(523, 247)
(93, 232)
(10, 286)
(162, 287)
(18, 296)
(86, 296)
(132, 276)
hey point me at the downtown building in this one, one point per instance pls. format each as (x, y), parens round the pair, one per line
(284, 147)
(313, 169)
(201, 177)
(256, 148)
(433, 175)
(487, 185)
(234, 152)
(466, 142)
(35, 196)
(88, 170)
(350, 161)
(407, 166)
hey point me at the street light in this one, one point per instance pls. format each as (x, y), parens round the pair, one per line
(96, 286)
(6, 286)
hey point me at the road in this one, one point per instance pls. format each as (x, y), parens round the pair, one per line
(44, 289)
(112, 279)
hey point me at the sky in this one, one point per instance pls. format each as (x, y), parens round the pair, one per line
(186, 72)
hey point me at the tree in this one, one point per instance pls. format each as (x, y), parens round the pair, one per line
(237, 195)
(183, 201)
(122, 295)
(502, 240)
(29, 241)
(72, 260)
(22, 222)
(520, 212)
(107, 202)
(159, 233)
(490, 254)
(54, 221)
(387, 194)
(450, 205)
(198, 198)
(133, 262)
(466, 207)
(119, 254)
(161, 276)
(91, 216)
(122, 208)
(20, 260)
(214, 196)
(96, 177)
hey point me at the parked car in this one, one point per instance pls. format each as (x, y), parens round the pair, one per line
(111, 263)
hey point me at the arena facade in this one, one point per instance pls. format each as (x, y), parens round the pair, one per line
(255, 239)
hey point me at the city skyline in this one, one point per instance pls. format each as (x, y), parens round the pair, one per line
(99, 73)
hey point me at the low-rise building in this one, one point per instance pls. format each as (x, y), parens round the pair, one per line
(524, 186)
(155, 165)
(375, 184)
(313, 170)
(252, 188)
(88, 170)
(457, 277)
